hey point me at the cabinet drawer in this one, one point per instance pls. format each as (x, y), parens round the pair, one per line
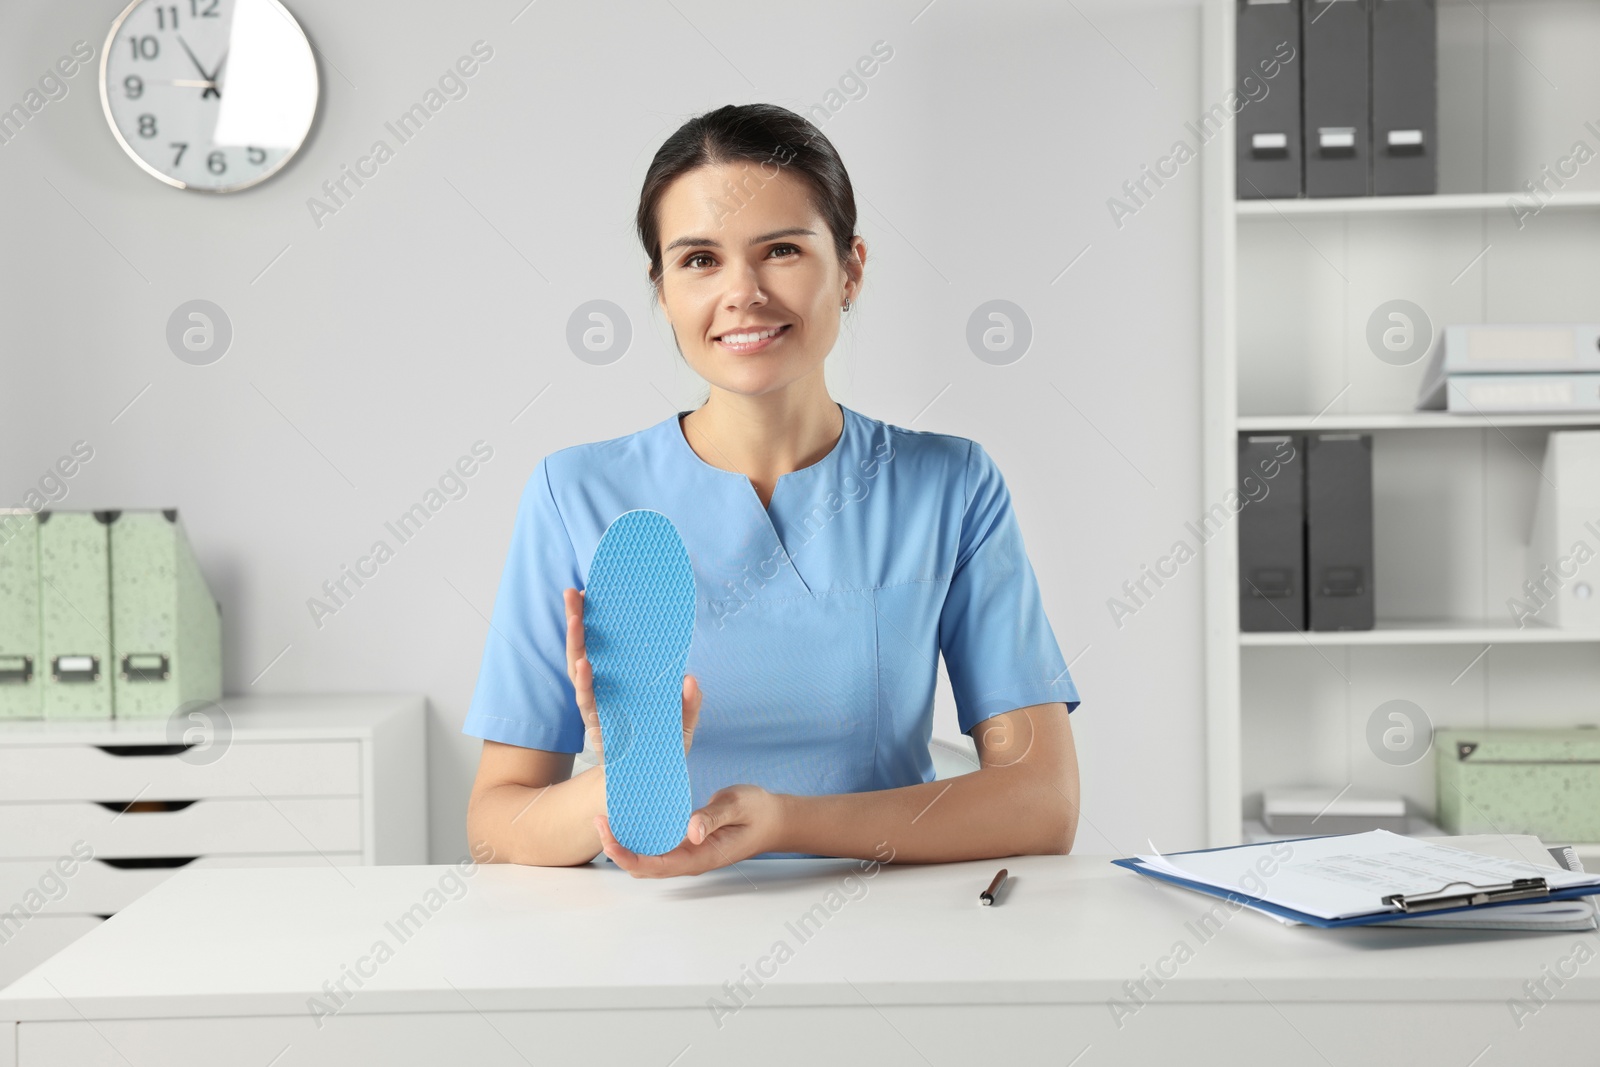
(205, 827)
(106, 886)
(163, 772)
(34, 940)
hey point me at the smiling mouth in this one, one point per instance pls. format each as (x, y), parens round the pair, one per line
(749, 342)
(750, 336)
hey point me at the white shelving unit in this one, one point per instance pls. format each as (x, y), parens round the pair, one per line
(1288, 287)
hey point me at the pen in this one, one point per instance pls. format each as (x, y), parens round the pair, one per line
(987, 897)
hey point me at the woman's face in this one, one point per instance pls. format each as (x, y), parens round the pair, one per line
(743, 251)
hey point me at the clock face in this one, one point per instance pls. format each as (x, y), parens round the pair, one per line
(211, 95)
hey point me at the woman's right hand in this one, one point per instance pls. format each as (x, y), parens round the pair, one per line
(582, 677)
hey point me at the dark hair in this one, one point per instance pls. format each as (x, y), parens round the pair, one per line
(757, 133)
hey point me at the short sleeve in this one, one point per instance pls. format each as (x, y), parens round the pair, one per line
(999, 650)
(523, 696)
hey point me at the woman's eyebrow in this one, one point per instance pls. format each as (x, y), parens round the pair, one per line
(793, 231)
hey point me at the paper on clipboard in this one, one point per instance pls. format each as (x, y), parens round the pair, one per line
(1349, 875)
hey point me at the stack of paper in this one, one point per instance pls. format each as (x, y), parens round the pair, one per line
(1354, 878)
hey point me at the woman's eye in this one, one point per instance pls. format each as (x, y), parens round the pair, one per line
(692, 263)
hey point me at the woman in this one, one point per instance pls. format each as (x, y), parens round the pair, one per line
(835, 557)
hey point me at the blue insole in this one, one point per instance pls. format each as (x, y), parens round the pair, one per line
(638, 619)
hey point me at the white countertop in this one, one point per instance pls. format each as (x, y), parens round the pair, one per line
(1075, 929)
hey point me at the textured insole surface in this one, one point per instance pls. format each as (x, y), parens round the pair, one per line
(638, 619)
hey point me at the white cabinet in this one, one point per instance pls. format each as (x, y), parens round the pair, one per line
(95, 813)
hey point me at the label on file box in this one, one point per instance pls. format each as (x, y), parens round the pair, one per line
(1337, 138)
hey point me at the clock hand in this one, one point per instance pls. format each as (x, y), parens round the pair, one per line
(211, 89)
(214, 75)
(193, 59)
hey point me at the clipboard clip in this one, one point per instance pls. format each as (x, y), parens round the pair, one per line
(1444, 897)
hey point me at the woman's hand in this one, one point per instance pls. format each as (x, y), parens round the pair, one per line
(738, 822)
(582, 677)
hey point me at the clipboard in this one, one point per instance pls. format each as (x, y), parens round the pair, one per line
(1445, 900)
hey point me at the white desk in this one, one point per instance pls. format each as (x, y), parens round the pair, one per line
(587, 965)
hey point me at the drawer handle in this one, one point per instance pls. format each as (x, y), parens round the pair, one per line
(75, 669)
(144, 750)
(146, 667)
(16, 670)
(136, 806)
(141, 862)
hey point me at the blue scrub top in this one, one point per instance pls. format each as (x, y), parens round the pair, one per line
(819, 617)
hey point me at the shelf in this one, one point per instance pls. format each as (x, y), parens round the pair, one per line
(1353, 205)
(1411, 420)
(1424, 632)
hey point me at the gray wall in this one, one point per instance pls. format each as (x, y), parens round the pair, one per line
(371, 351)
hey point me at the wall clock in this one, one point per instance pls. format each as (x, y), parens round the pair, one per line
(209, 95)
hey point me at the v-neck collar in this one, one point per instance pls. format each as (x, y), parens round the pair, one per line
(832, 458)
(835, 456)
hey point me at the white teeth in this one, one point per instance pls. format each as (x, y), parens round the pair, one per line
(749, 338)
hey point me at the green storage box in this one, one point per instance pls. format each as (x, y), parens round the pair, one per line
(164, 622)
(20, 671)
(1544, 782)
(75, 614)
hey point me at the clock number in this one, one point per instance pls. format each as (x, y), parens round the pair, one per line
(133, 85)
(147, 125)
(145, 47)
(257, 156)
(162, 16)
(208, 13)
(216, 163)
(181, 146)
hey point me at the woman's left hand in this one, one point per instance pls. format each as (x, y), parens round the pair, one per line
(738, 822)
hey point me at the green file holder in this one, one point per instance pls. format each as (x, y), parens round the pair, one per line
(20, 659)
(75, 615)
(1530, 781)
(164, 622)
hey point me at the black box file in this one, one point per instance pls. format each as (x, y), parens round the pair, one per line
(1339, 531)
(1271, 533)
(1267, 40)
(1337, 126)
(1405, 97)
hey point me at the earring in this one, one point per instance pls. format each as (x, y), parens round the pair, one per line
(846, 306)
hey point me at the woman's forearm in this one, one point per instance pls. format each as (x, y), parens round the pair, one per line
(1022, 809)
(541, 826)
